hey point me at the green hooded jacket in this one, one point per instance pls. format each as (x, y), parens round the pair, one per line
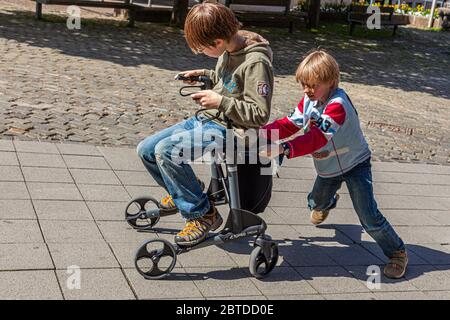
(245, 80)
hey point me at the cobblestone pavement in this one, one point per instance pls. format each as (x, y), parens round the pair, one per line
(111, 85)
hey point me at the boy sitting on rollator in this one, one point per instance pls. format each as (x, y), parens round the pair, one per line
(242, 92)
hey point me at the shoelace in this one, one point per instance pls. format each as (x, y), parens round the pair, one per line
(167, 200)
(191, 226)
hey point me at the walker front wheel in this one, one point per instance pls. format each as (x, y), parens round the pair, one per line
(142, 213)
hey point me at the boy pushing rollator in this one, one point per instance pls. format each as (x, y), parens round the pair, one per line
(333, 136)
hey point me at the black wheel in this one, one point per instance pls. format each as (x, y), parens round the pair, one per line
(155, 259)
(260, 264)
(139, 212)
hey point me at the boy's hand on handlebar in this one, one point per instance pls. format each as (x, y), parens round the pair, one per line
(190, 73)
(207, 99)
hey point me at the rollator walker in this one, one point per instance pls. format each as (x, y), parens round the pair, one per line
(156, 258)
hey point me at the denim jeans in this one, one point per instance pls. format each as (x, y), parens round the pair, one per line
(165, 155)
(359, 184)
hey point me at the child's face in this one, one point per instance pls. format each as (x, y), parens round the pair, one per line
(214, 51)
(319, 91)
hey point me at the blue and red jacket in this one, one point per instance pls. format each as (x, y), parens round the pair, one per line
(332, 134)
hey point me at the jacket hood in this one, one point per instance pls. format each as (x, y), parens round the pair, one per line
(254, 43)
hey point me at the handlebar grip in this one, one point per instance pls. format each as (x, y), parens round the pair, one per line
(192, 78)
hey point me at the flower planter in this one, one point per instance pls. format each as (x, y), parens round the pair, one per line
(422, 22)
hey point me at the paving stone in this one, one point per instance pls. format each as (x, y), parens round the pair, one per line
(105, 210)
(283, 280)
(16, 210)
(206, 257)
(29, 285)
(6, 145)
(251, 298)
(9, 173)
(437, 295)
(88, 176)
(324, 233)
(414, 295)
(122, 159)
(136, 178)
(352, 296)
(115, 231)
(8, 159)
(34, 174)
(125, 252)
(92, 255)
(35, 147)
(41, 160)
(103, 193)
(70, 231)
(424, 234)
(213, 283)
(433, 253)
(61, 210)
(53, 191)
(350, 255)
(297, 297)
(409, 218)
(428, 278)
(167, 288)
(24, 256)
(292, 185)
(20, 231)
(413, 258)
(298, 254)
(78, 149)
(85, 162)
(139, 191)
(98, 284)
(331, 280)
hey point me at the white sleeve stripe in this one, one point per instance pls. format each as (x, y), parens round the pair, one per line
(296, 118)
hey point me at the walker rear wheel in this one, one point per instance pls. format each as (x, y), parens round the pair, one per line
(155, 259)
(262, 264)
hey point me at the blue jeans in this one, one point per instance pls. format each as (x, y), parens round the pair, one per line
(165, 154)
(359, 184)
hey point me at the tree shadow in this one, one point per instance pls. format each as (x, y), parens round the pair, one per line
(149, 44)
(414, 60)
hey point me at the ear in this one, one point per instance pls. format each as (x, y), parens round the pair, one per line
(219, 43)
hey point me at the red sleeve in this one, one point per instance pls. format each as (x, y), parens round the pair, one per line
(313, 140)
(286, 126)
(321, 131)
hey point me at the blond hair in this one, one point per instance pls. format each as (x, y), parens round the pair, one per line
(207, 22)
(318, 67)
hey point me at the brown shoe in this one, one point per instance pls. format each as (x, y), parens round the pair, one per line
(319, 216)
(196, 230)
(396, 267)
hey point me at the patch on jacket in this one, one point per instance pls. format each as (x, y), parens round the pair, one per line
(262, 88)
